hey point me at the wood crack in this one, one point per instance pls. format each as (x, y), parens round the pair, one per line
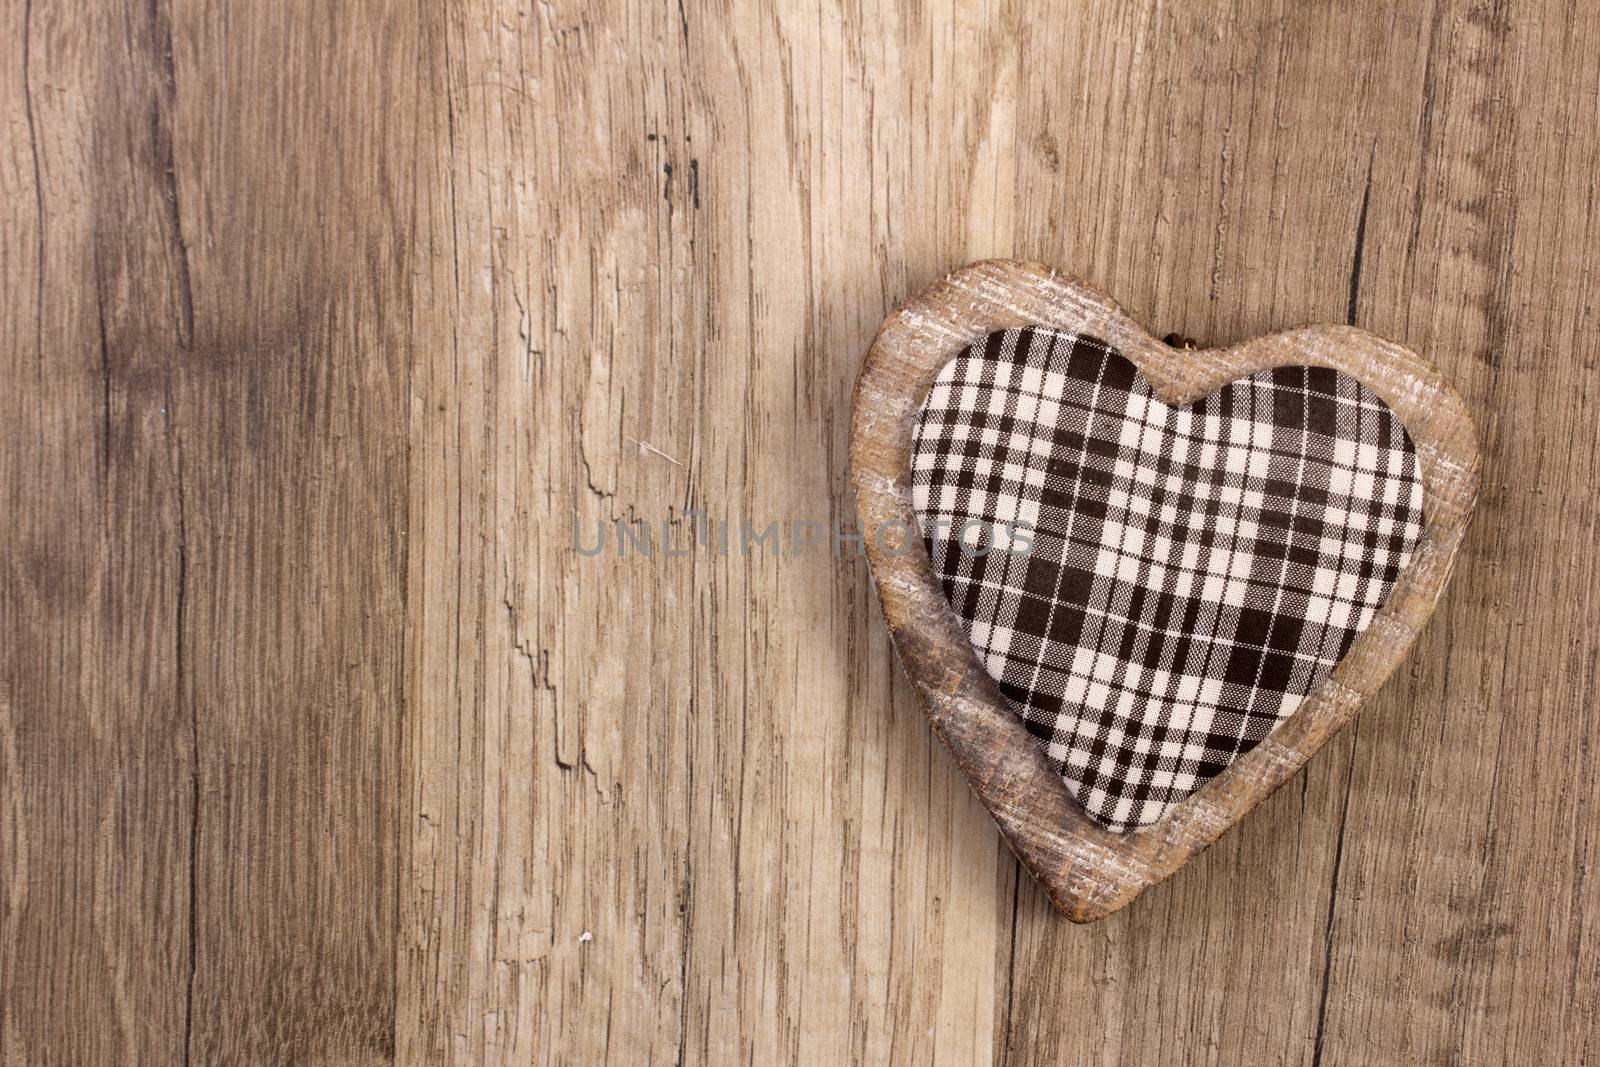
(1361, 242)
(1333, 903)
(162, 138)
(38, 180)
(185, 705)
(1017, 875)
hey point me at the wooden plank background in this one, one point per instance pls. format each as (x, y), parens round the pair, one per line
(321, 325)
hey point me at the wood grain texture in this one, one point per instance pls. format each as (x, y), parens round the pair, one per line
(322, 323)
(205, 481)
(1087, 870)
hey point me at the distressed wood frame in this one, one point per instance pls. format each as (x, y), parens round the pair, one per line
(1089, 871)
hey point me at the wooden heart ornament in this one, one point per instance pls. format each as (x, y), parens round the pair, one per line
(1137, 587)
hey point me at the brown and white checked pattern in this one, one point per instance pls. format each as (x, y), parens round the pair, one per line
(1155, 588)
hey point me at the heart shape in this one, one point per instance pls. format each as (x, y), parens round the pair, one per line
(1180, 577)
(1091, 868)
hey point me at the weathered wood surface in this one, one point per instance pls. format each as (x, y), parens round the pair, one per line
(321, 323)
(1087, 870)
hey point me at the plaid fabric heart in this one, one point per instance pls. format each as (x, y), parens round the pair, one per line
(1156, 588)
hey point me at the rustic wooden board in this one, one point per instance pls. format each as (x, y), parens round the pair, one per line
(1089, 871)
(207, 349)
(318, 743)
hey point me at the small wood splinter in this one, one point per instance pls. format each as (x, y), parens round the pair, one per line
(646, 448)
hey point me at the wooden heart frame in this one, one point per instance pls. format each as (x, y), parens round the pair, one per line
(1089, 871)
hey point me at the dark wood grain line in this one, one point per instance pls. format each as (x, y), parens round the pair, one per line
(187, 709)
(1333, 901)
(41, 247)
(161, 137)
(1360, 244)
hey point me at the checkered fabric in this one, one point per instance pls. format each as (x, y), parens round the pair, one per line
(1155, 588)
